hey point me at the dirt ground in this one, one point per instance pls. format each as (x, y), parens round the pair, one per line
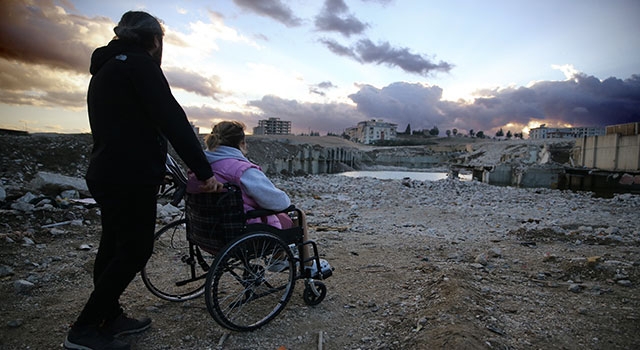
(442, 265)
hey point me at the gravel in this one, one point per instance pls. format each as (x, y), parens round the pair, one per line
(448, 264)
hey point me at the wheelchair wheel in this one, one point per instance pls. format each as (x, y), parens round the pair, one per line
(174, 272)
(250, 282)
(314, 293)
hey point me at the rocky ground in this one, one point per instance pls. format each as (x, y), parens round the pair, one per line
(437, 265)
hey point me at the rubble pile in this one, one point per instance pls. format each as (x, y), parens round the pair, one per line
(444, 264)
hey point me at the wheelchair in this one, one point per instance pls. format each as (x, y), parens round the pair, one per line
(247, 272)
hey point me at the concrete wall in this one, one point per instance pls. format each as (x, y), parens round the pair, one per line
(624, 129)
(309, 159)
(313, 160)
(500, 175)
(543, 177)
(610, 152)
(629, 153)
(529, 177)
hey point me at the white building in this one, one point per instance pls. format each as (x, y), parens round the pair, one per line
(369, 131)
(273, 126)
(558, 133)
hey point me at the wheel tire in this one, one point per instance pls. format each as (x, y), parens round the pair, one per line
(169, 265)
(244, 289)
(310, 298)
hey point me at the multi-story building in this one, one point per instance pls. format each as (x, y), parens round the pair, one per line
(273, 126)
(558, 133)
(369, 131)
(352, 133)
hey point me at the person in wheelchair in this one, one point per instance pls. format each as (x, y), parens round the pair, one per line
(225, 150)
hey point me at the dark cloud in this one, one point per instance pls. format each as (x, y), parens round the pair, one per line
(401, 103)
(74, 100)
(401, 57)
(42, 34)
(43, 49)
(580, 101)
(340, 50)
(303, 116)
(367, 52)
(274, 9)
(333, 117)
(39, 85)
(319, 88)
(331, 19)
(334, 17)
(194, 82)
(326, 85)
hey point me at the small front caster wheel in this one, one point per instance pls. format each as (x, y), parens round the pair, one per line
(314, 293)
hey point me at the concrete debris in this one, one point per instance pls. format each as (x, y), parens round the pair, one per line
(54, 183)
(442, 264)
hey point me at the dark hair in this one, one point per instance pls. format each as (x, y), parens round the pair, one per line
(139, 27)
(225, 133)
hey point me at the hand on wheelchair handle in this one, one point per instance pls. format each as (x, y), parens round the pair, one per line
(211, 185)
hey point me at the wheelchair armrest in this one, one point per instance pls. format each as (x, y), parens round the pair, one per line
(265, 212)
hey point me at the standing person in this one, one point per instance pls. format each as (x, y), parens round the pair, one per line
(225, 150)
(132, 114)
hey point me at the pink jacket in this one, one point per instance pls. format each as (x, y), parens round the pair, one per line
(231, 170)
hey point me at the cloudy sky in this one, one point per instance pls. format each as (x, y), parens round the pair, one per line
(326, 65)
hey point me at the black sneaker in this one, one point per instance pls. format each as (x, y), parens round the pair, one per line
(123, 325)
(91, 338)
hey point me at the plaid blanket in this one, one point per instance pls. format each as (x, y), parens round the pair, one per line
(214, 219)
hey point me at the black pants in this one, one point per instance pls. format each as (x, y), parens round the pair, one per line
(128, 214)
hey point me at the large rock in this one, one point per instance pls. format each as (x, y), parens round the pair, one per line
(53, 184)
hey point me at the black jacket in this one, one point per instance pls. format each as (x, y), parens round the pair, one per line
(132, 114)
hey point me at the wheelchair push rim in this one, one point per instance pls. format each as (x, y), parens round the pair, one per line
(250, 281)
(173, 272)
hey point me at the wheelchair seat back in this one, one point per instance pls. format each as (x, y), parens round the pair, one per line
(214, 219)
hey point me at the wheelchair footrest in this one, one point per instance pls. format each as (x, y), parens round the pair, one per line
(324, 272)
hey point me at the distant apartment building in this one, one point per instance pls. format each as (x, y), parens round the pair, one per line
(373, 130)
(273, 126)
(560, 133)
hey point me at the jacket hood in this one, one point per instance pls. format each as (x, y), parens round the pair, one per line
(116, 47)
(224, 152)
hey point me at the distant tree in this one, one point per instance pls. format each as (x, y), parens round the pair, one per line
(448, 132)
(509, 135)
(518, 135)
(500, 133)
(407, 131)
(434, 131)
(480, 134)
(471, 133)
(455, 131)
